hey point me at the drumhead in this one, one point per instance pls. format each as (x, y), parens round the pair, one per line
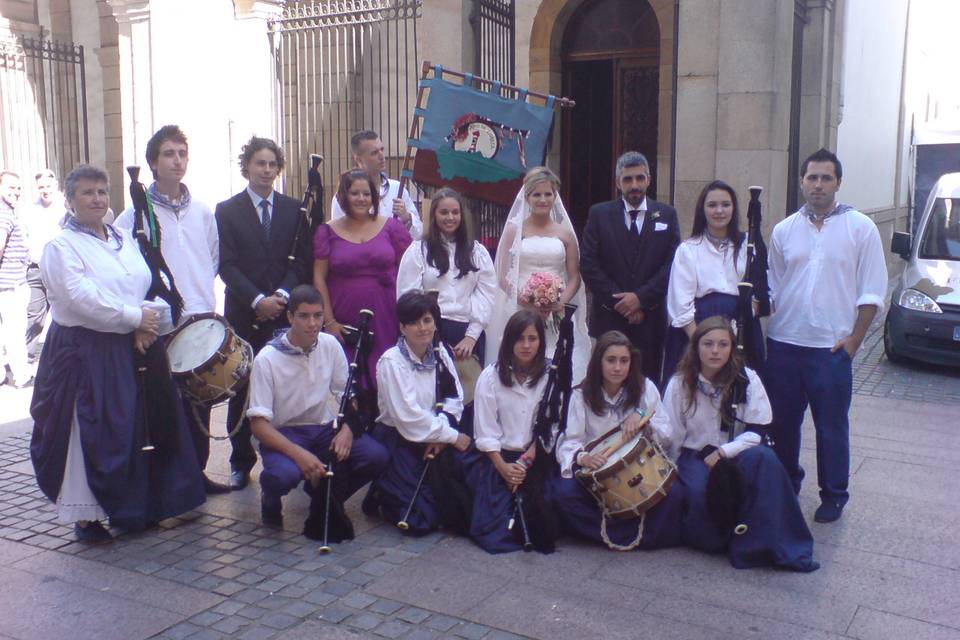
(621, 451)
(195, 343)
(467, 372)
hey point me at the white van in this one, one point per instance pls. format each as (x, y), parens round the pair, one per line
(923, 321)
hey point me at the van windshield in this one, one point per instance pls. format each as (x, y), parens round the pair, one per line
(941, 237)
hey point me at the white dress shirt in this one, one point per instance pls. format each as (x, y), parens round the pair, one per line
(468, 299)
(298, 389)
(407, 396)
(700, 268)
(627, 208)
(42, 225)
(389, 191)
(503, 416)
(584, 426)
(818, 278)
(191, 248)
(699, 427)
(95, 284)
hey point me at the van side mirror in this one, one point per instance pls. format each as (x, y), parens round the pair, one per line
(900, 244)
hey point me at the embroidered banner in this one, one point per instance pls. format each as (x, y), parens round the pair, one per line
(477, 141)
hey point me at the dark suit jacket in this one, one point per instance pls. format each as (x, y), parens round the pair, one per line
(610, 263)
(252, 264)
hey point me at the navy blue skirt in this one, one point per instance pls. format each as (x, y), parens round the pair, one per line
(712, 304)
(776, 533)
(396, 485)
(581, 517)
(95, 372)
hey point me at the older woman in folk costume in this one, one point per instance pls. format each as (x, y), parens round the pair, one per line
(702, 399)
(88, 425)
(614, 394)
(538, 237)
(420, 408)
(707, 268)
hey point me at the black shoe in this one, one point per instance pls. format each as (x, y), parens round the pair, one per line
(371, 503)
(239, 479)
(271, 510)
(828, 512)
(93, 533)
(214, 488)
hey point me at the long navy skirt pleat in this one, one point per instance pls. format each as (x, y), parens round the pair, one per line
(396, 485)
(776, 533)
(581, 516)
(94, 371)
(712, 304)
(493, 505)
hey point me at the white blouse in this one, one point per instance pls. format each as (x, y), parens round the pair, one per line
(95, 284)
(298, 389)
(407, 397)
(467, 299)
(700, 268)
(503, 416)
(702, 427)
(584, 426)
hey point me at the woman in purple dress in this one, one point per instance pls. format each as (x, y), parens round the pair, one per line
(355, 266)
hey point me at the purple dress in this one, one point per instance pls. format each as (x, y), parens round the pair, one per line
(364, 276)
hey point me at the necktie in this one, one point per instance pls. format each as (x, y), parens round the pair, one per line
(633, 222)
(265, 216)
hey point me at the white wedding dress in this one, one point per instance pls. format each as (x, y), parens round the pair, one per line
(541, 254)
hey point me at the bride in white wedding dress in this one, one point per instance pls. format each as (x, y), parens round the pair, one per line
(538, 237)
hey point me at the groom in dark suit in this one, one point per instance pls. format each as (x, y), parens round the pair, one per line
(625, 259)
(257, 229)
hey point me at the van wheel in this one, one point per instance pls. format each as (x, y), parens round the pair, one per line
(888, 350)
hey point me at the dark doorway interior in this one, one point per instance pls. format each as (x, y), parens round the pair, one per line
(611, 69)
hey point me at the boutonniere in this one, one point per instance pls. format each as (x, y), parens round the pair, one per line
(654, 215)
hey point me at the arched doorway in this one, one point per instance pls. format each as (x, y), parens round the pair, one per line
(610, 56)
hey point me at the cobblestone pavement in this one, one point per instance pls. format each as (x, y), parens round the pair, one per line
(270, 580)
(876, 376)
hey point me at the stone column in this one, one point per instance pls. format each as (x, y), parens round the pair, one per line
(136, 83)
(820, 78)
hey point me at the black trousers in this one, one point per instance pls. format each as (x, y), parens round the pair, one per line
(243, 455)
(36, 310)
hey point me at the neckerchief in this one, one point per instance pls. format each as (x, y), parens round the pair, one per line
(616, 402)
(837, 210)
(429, 362)
(112, 234)
(708, 389)
(282, 343)
(165, 202)
(720, 243)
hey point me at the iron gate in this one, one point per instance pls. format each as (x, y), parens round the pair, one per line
(43, 106)
(344, 66)
(494, 58)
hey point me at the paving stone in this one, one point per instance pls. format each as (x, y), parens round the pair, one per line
(386, 607)
(393, 629)
(365, 621)
(229, 607)
(278, 620)
(413, 615)
(257, 632)
(180, 631)
(320, 598)
(338, 588)
(250, 596)
(335, 614)
(358, 578)
(252, 612)
(471, 631)
(421, 634)
(442, 623)
(376, 567)
(229, 588)
(206, 618)
(358, 600)
(293, 591)
(497, 634)
(300, 609)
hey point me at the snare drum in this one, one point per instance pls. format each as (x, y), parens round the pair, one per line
(208, 360)
(636, 476)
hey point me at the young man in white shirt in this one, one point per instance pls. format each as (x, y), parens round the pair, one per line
(368, 154)
(828, 280)
(298, 380)
(43, 222)
(190, 247)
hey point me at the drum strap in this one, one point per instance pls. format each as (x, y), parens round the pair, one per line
(198, 421)
(619, 547)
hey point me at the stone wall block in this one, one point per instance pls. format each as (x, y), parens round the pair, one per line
(744, 121)
(696, 127)
(698, 28)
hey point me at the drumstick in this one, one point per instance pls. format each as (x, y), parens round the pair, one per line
(622, 441)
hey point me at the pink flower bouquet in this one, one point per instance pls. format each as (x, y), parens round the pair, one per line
(541, 291)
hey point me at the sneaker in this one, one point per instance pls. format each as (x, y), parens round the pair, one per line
(271, 510)
(93, 533)
(828, 512)
(212, 487)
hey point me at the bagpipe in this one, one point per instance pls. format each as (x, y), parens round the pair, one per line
(311, 206)
(329, 522)
(724, 485)
(539, 528)
(454, 500)
(157, 397)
